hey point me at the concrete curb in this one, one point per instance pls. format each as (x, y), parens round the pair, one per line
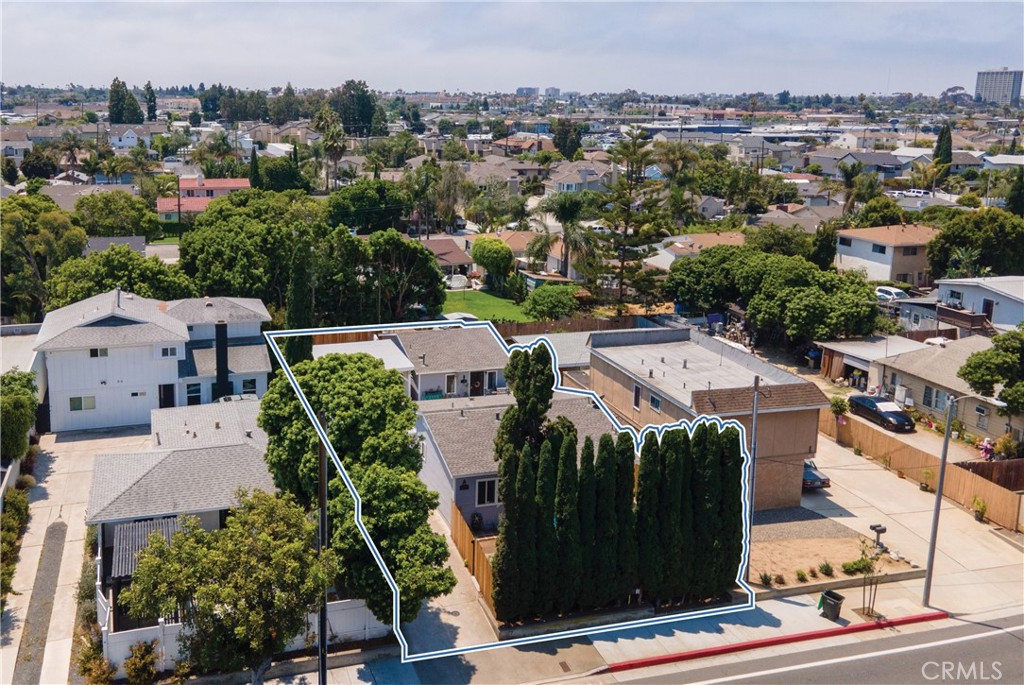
(772, 641)
(840, 584)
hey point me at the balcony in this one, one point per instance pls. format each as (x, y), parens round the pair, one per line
(961, 318)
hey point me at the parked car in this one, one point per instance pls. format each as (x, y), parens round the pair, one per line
(885, 293)
(813, 478)
(882, 411)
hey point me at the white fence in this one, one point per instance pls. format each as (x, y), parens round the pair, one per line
(347, 621)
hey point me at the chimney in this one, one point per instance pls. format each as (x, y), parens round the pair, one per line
(117, 296)
(199, 180)
(221, 386)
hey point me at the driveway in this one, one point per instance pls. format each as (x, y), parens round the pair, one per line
(64, 475)
(168, 254)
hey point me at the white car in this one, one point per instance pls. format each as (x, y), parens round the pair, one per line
(886, 293)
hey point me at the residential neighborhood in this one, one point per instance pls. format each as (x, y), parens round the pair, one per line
(669, 374)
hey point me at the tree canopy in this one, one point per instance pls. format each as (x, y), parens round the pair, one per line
(116, 213)
(18, 403)
(1002, 364)
(368, 205)
(997, 235)
(496, 257)
(551, 302)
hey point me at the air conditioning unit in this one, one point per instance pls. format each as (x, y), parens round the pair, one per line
(981, 410)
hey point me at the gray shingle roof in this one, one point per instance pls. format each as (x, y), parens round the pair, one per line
(109, 320)
(207, 425)
(169, 482)
(939, 364)
(452, 349)
(466, 439)
(214, 309)
(241, 359)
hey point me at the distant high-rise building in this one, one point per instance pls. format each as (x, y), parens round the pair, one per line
(1001, 86)
(524, 91)
(552, 93)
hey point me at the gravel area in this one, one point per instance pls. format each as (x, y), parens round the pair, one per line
(794, 523)
(40, 607)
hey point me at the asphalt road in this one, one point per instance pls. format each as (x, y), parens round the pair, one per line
(992, 652)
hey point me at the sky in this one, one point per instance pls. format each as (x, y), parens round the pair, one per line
(664, 47)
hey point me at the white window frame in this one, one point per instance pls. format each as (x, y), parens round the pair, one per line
(493, 483)
(97, 352)
(169, 352)
(251, 381)
(139, 393)
(85, 403)
(450, 381)
(877, 248)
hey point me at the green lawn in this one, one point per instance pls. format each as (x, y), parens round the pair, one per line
(171, 239)
(484, 306)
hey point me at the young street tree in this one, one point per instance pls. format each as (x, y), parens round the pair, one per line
(227, 586)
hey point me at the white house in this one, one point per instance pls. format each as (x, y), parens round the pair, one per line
(999, 298)
(127, 136)
(113, 358)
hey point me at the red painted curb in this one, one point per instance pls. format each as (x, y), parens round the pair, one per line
(772, 641)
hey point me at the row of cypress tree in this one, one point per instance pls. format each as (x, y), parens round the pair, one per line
(583, 531)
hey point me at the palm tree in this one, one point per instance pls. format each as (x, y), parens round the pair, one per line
(963, 263)
(576, 239)
(928, 175)
(113, 167)
(374, 163)
(849, 173)
(332, 140)
(219, 146)
(829, 186)
(69, 146)
(91, 166)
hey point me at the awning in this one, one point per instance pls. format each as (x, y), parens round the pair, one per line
(132, 537)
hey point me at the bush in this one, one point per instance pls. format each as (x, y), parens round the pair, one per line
(91, 663)
(25, 482)
(857, 451)
(12, 523)
(862, 565)
(801, 575)
(92, 538)
(140, 666)
(28, 462)
(766, 579)
(813, 571)
(826, 569)
(779, 579)
(550, 302)
(839, 405)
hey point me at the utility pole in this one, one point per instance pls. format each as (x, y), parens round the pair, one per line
(321, 547)
(753, 455)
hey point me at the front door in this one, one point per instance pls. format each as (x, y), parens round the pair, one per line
(987, 307)
(476, 383)
(166, 395)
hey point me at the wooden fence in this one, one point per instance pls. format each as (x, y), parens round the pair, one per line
(336, 338)
(510, 329)
(1008, 473)
(476, 552)
(961, 486)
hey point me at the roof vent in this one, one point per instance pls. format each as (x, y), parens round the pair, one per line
(684, 363)
(497, 416)
(462, 413)
(662, 360)
(650, 374)
(216, 425)
(248, 434)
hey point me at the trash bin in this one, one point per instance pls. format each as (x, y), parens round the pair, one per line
(831, 603)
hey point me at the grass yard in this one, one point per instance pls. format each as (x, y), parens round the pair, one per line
(483, 305)
(170, 239)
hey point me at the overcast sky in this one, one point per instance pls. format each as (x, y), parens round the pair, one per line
(665, 47)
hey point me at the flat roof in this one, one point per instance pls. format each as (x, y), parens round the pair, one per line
(874, 347)
(16, 350)
(386, 350)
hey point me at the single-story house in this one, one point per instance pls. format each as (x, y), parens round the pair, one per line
(851, 360)
(453, 362)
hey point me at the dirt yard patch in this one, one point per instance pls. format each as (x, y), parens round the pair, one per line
(784, 557)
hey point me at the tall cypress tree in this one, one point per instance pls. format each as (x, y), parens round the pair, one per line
(670, 496)
(547, 545)
(731, 509)
(943, 153)
(506, 581)
(606, 524)
(150, 102)
(115, 102)
(531, 380)
(587, 502)
(526, 500)
(708, 486)
(254, 169)
(300, 304)
(625, 457)
(687, 542)
(567, 528)
(649, 516)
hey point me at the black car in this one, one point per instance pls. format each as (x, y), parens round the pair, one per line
(813, 478)
(882, 411)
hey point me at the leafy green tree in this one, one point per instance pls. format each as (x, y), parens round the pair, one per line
(300, 303)
(881, 211)
(969, 200)
(506, 555)
(228, 587)
(551, 302)
(369, 420)
(496, 257)
(123, 108)
(548, 582)
(1001, 364)
(195, 119)
(116, 213)
(586, 508)
(529, 563)
(823, 245)
(730, 512)
(406, 276)
(117, 266)
(606, 525)
(368, 205)
(568, 579)
(566, 136)
(650, 514)
(255, 180)
(531, 380)
(150, 95)
(943, 153)
(355, 105)
(39, 163)
(280, 174)
(396, 510)
(9, 171)
(996, 234)
(784, 240)
(626, 550)
(18, 404)
(1015, 197)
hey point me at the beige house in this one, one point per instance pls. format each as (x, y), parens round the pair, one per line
(887, 253)
(658, 376)
(925, 380)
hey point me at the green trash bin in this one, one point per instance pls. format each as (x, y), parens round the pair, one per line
(831, 603)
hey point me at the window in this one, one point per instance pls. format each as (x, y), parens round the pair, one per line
(655, 402)
(193, 394)
(915, 319)
(940, 400)
(929, 393)
(910, 251)
(636, 397)
(486, 492)
(139, 394)
(982, 421)
(903, 278)
(878, 249)
(249, 386)
(845, 242)
(168, 351)
(956, 295)
(449, 384)
(492, 380)
(209, 193)
(98, 352)
(87, 403)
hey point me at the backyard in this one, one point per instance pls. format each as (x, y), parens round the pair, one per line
(484, 306)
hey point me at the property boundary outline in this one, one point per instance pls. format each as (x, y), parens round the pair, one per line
(638, 438)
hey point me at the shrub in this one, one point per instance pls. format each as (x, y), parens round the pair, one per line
(28, 462)
(813, 571)
(91, 663)
(826, 569)
(140, 666)
(857, 451)
(801, 575)
(12, 523)
(25, 482)
(766, 579)
(92, 538)
(779, 579)
(839, 405)
(862, 565)
(551, 302)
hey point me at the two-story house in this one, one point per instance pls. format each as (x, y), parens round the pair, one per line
(196, 194)
(887, 253)
(1000, 299)
(111, 359)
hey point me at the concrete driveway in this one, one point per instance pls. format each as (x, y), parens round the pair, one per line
(975, 569)
(64, 475)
